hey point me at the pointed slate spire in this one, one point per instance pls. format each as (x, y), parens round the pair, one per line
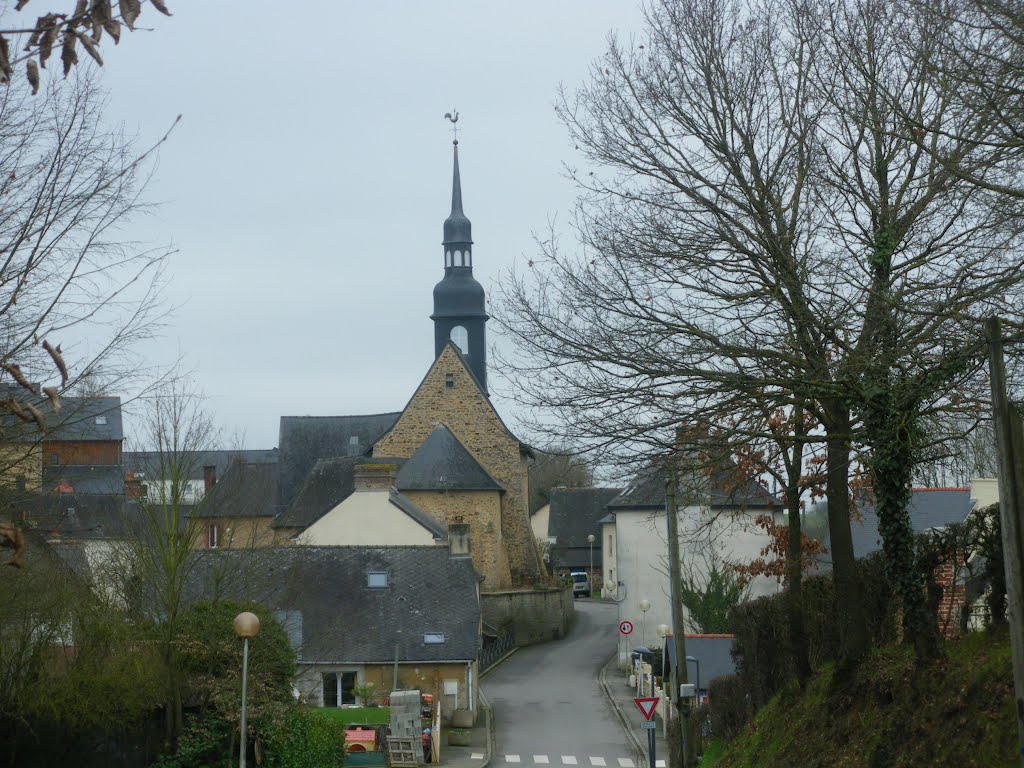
(457, 229)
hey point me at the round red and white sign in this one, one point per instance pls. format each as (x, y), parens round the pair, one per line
(626, 627)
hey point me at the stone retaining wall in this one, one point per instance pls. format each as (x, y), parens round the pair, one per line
(531, 616)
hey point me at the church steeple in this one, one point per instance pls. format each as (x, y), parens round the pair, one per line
(459, 313)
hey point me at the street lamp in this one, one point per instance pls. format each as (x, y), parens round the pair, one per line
(590, 540)
(246, 625)
(645, 606)
(695, 661)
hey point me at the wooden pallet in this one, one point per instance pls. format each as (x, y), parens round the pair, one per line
(405, 752)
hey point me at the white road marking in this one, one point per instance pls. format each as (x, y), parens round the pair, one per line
(568, 760)
(659, 764)
(626, 762)
(477, 756)
(540, 759)
(597, 762)
(511, 758)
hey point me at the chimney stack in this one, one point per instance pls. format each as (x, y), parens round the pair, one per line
(209, 477)
(374, 477)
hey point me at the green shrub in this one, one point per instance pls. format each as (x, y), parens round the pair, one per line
(302, 739)
(728, 707)
(762, 651)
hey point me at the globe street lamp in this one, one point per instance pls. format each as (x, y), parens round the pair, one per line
(645, 606)
(590, 540)
(246, 625)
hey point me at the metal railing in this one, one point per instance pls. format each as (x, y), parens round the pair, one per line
(492, 652)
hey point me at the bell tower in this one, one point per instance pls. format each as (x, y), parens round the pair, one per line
(459, 314)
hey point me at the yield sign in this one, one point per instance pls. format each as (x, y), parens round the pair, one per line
(646, 705)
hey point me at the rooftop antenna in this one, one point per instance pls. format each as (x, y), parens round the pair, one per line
(455, 127)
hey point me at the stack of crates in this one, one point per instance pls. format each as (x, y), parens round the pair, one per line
(405, 714)
(405, 747)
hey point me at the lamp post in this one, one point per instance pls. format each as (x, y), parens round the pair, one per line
(246, 625)
(590, 541)
(645, 606)
(697, 662)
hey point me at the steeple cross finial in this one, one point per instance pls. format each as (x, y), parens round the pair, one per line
(455, 125)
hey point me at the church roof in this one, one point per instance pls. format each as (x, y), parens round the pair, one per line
(330, 482)
(304, 440)
(457, 229)
(442, 463)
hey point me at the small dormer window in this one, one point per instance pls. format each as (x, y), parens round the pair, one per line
(433, 638)
(101, 421)
(449, 381)
(377, 579)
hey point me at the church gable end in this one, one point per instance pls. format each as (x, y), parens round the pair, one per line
(450, 395)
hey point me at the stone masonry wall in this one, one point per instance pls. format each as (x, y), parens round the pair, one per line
(532, 616)
(473, 420)
(481, 511)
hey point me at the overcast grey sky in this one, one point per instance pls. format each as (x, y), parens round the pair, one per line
(306, 185)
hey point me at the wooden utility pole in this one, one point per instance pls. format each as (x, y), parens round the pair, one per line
(683, 704)
(1010, 441)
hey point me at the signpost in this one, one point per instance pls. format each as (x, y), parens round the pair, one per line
(626, 627)
(647, 705)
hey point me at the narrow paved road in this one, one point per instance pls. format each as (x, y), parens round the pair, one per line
(548, 706)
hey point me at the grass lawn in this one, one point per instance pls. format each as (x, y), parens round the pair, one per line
(356, 715)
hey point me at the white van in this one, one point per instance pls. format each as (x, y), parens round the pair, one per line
(580, 584)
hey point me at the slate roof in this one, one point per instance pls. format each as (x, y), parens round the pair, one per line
(405, 504)
(727, 490)
(75, 421)
(442, 463)
(929, 508)
(75, 515)
(85, 479)
(246, 490)
(304, 440)
(324, 591)
(146, 464)
(713, 653)
(575, 513)
(328, 484)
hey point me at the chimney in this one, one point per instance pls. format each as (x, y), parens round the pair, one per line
(209, 477)
(374, 477)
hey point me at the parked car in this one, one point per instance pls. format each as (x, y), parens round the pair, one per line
(580, 584)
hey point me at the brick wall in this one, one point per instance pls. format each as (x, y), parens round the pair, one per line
(473, 420)
(953, 598)
(82, 452)
(481, 511)
(532, 616)
(246, 532)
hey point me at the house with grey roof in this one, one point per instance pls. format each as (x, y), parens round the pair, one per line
(719, 528)
(708, 657)
(574, 514)
(355, 613)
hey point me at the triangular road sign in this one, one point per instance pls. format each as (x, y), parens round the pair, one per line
(647, 706)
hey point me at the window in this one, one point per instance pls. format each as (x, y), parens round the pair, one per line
(376, 579)
(55, 458)
(448, 258)
(101, 420)
(337, 688)
(213, 535)
(433, 638)
(449, 381)
(610, 545)
(458, 259)
(461, 338)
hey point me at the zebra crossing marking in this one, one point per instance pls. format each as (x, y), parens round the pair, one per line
(541, 759)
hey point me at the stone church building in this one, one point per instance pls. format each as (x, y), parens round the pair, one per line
(445, 469)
